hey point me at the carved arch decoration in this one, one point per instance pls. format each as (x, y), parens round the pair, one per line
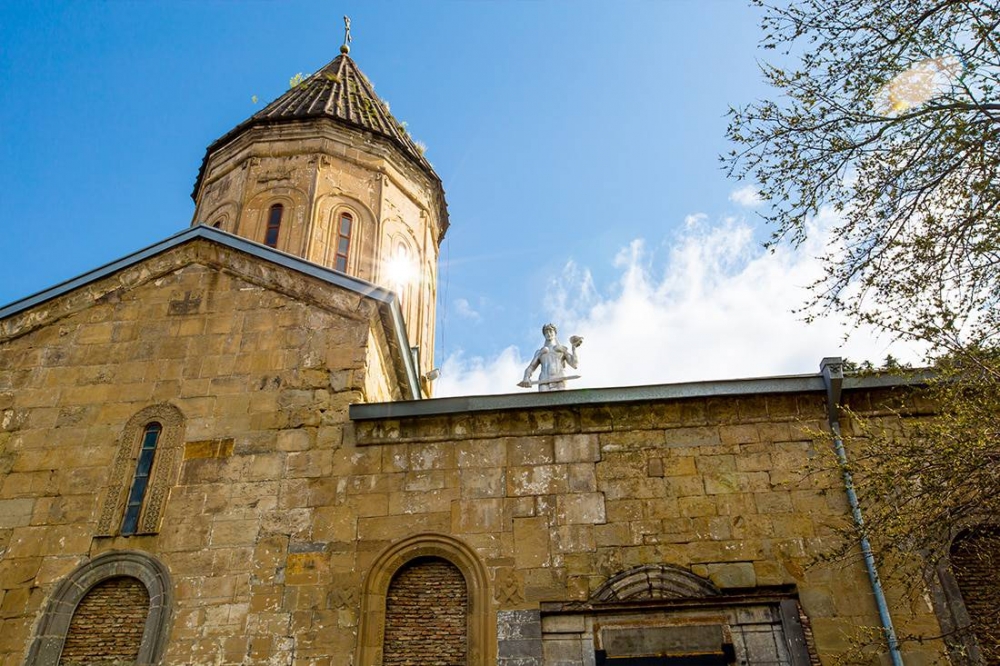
(482, 642)
(166, 465)
(54, 624)
(253, 219)
(223, 217)
(654, 581)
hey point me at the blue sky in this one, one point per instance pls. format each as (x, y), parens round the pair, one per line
(578, 143)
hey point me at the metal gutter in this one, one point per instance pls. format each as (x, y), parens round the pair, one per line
(832, 370)
(600, 396)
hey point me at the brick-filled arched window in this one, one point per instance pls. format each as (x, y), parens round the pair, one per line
(426, 615)
(425, 600)
(345, 227)
(140, 480)
(114, 609)
(273, 225)
(975, 561)
(108, 624)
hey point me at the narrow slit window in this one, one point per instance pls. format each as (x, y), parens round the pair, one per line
(273, 225)
(343, 241)
(143, 467)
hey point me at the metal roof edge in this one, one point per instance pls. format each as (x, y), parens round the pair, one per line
(580, 397)
(915, 377)
(625, 394)
(354, 284)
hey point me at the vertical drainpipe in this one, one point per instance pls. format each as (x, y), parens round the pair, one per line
(832, 369)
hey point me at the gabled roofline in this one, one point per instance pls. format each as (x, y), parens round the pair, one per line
(625, 394)
(386, 298)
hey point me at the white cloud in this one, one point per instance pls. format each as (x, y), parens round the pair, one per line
(465, 311)
(476, 376)
(747, 196)
(716, 306)
(694, 219)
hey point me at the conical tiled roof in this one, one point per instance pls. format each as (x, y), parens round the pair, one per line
(341, 92)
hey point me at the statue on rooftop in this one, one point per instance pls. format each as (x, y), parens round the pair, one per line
(553, 359)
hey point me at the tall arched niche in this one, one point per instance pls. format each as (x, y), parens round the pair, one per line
(482, 641)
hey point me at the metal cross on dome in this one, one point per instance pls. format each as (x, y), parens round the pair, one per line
(346, 47)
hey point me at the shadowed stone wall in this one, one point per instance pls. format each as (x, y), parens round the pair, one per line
(975, 558)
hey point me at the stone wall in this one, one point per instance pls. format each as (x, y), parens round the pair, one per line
(281, 506)
(558, 500)
(262, 368)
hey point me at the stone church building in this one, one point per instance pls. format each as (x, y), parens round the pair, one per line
(222, 449)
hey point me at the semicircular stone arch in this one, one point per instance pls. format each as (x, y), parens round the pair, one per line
(654, 581)
(481, 642)
(54, 624)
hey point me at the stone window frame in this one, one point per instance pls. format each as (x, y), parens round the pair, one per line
(50, 637)
(165, 468)
(949, 603)
(482, 642)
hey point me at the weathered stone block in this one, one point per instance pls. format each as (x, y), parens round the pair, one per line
(531, 542)
(580, 508)
(16, 512)
(537, 480)
(477, 516)
(732, 574)
(530, 451)
(577, 448)
(483, 482)
(483, 453)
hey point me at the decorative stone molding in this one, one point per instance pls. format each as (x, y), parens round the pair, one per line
(166, 464)
(654, 581)
(55, 621)
(343, 597)
(508, 588)
(385, 566)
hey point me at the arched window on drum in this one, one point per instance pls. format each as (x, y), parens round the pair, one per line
(274, 216)
(345, 228)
